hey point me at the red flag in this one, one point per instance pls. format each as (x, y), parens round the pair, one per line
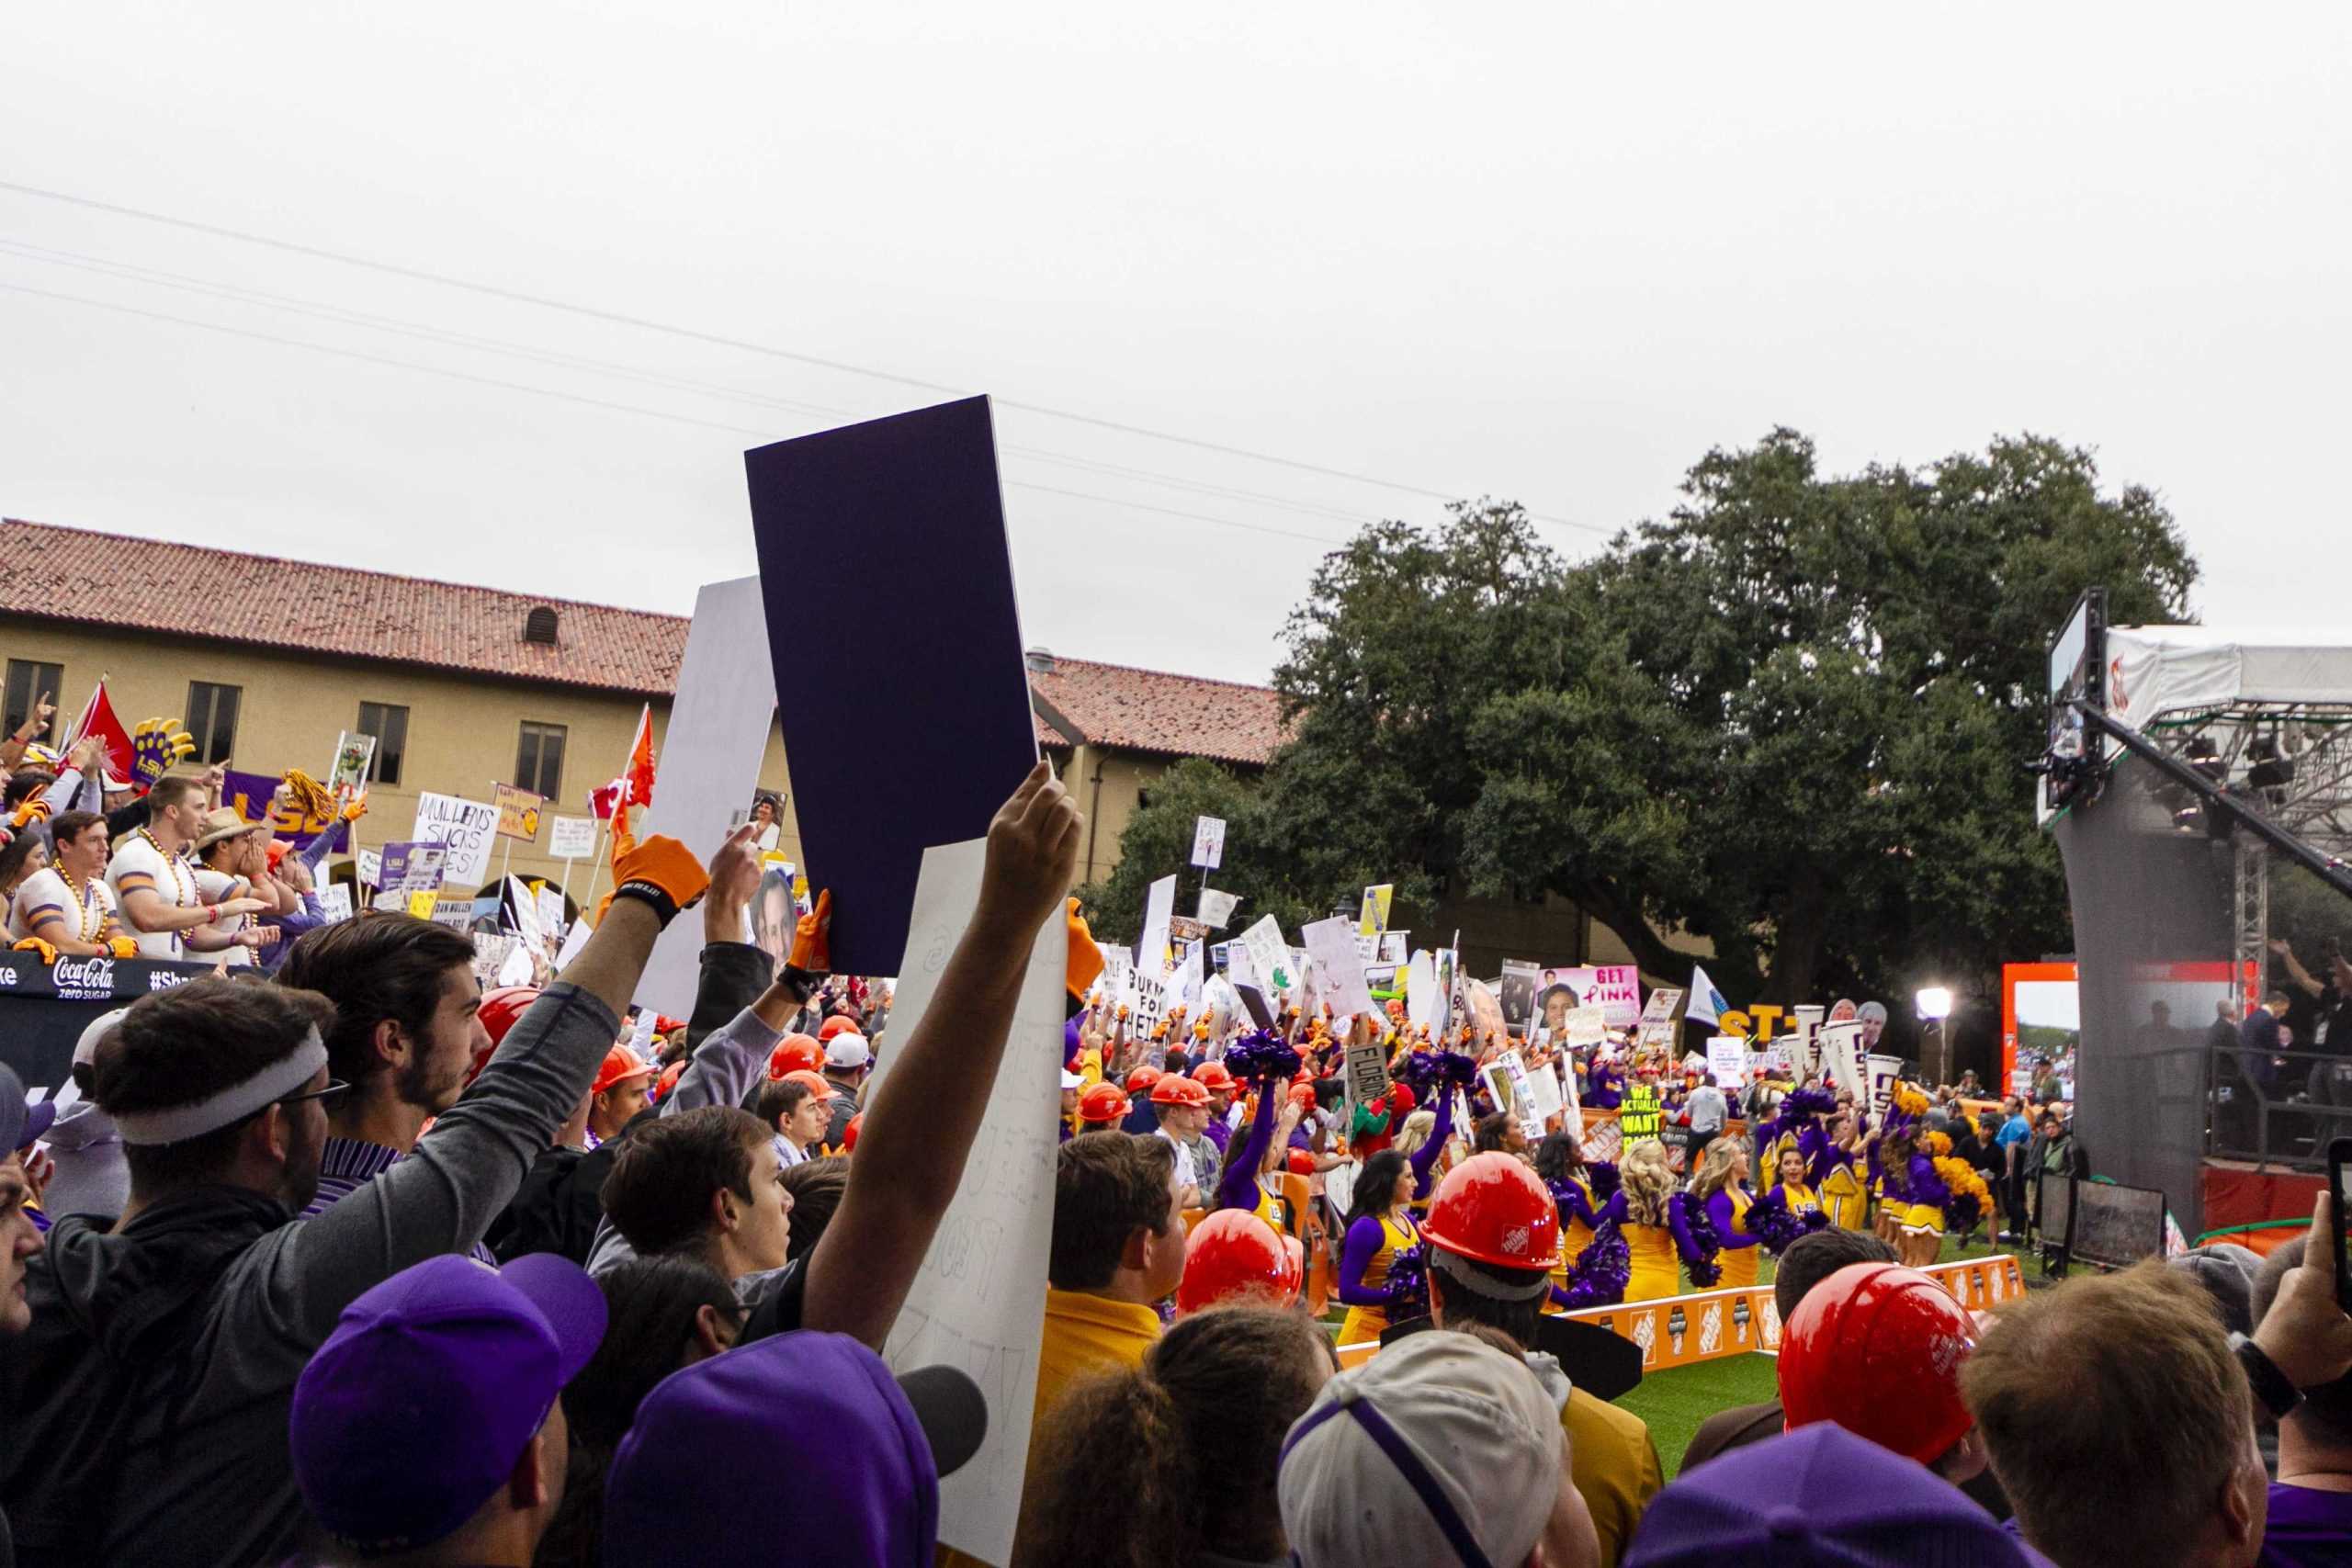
(97, 719)
(605, 801)
(639, 772)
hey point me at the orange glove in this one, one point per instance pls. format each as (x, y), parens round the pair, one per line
(35, 808)
(1085, 965)
(355, 808)
(35, 944)
(122, 947)
(661, 873)
(813, 937)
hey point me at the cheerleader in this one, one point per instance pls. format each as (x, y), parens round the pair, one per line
(1837, 1174)
(1253, 1168)
(1381, 1229)
(1721, 1186)
(1913, 1197)
(1579, 1190)
(1660, 1226)
(1794, 1190)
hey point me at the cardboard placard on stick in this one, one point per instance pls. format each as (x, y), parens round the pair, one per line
(1840, 1046)
(896, 522)
(1209, 842)
(1332, 943)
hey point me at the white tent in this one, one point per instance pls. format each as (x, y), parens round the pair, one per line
(2154, 673)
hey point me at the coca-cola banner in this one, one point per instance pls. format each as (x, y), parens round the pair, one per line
(43, 1010)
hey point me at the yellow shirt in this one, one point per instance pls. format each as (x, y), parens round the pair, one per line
(1083, 1335)
(1842, 1198)
(1657, 1263)
(1615, 1466)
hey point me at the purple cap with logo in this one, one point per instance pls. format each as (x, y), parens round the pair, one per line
(843, 1460)
(411, 1414)
(1820, 1494)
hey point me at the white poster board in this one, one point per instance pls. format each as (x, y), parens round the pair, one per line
(1269, 955)
(1158, 909)
(574, 838)
(1884, 1070)
(1217, 908)
(467, 827)
(1586, 1026)
(1208, 844)
(334, 902)
(572, 943)
(1542, 1093)
(1421, 996)
(1332, 944)
(1727, 1061)
(370, 865)
(978, 1301)
(1660, 1007)
(1841, 1057)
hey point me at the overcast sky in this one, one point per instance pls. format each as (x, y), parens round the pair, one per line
(1550, 252)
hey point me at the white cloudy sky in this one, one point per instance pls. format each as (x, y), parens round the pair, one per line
(1546, 252)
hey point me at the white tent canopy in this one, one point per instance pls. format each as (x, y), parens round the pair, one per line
(2156, 672)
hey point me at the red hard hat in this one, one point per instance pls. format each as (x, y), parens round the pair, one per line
(849, 1134)
(841, 1023)
(1494, 1209)
(793, 1053)
(1400, 1097)
(1213, 1076)
(1175, 1088)
(1233, 1255)
(1142, 1078)
(1876, 1348)
(502, 1007)
(1301, 1163)
(1302, 1094)
(1105, 1103)
(669, 1078)
(621, 1063)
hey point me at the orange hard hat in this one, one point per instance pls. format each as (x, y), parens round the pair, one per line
(1142, 1078)
(839, 1023)
(502, 1007)
(849, 1134)
(1233, 1255)
(1105, 1103)
(1302, 1094)
(621, 1063)
(1175, 1088)
(793, 1053)
(1876, 1348)
(1214, 1077)
(815, 1081)
(1494, 1209)
(669, 1078)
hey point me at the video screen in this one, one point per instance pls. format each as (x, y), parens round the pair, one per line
(2116, 1226)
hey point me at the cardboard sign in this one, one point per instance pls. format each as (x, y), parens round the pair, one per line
(1660, 1007)
(1269, 952)
(334, 902)
(1158, 910)
(347, 775)
(1150, 1003)
(1727, 1061)
(1523, 1106)
(1884, 1070)
(1842, 1058)
(1614, 988)
(572, 943)
(896, 522)
(1380, 979)
(518, 812)
(422, 904)
(1217, 908)
(1373, 919)
(1186, 980)
(1394, 948)
(1332, 944)
(1208, 843)
(1184, 930)
(466, 827)
(1118, 967)
(550, 912)
(572, 838)
(1521, 981)
(410, 866)
(1640, 1117)
(1420, 990)
(372, 868)
(1542, 1091)
(1367, 1071)
(1586, 1026)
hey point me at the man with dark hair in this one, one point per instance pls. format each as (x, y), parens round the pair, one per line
(1612, 1458)
(154, 886)
(706, 1183)
(815, 1187)
(172, 1447)
(2310, 1502)
(404, 1034)
(2120, 1418)
(1810, 1259)
(67, 906)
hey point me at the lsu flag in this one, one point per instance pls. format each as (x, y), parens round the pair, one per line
(1707, 1004)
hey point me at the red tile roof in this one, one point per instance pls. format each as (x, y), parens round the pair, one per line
(185, 590)
(1149, 710)
(109, 579)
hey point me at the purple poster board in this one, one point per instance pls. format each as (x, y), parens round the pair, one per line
(900, 681)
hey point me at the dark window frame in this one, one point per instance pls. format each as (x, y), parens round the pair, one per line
(531, 767)
(390, 749)
(40, 676)
(204, 722)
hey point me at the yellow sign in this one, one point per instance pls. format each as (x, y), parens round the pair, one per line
(1640, 1116)
(518, 813)
(422, 905)
(1373, 919)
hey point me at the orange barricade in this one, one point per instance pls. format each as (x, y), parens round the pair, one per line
(1682, 1331)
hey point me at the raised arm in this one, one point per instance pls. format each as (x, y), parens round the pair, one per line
(920, 1122)
(1237, 1188)
(1424, 1159)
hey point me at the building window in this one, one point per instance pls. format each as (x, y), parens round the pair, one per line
(212, 720)
(1143, 799)
(539, 625)
(538, 759)
(28, 684)
(388, 724)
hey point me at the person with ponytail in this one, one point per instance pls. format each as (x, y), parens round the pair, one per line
(1380, 1231)
(1171, 1464)
(1722, 1187)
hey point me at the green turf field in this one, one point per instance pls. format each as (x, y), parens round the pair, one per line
(1674, 1403)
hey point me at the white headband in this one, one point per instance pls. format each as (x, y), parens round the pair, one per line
(177, 1123)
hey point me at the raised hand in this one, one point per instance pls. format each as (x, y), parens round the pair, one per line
(1033, 851)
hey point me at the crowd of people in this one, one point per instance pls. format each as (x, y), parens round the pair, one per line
(334, 1258)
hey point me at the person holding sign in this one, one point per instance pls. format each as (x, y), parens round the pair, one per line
(1721, 1186)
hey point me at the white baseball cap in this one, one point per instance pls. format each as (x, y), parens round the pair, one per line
(1438, 1443)
(848, 1049)
(1072, 1080)
(86, 1049)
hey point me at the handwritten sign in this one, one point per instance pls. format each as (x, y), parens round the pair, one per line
(1269, 952)
(1660, 1007)
(1586, 1026)
(979, 1301)
(1640, 1117)
(572, 838)
(464, 827)
(1217, 908)
(334, 902)
(1367, 1071)
(1333, 947)
(1727, 1061)
(518, 813)
(372, 868)
(1209, 842)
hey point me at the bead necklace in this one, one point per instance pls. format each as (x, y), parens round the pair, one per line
(182, 895)
(87, 922)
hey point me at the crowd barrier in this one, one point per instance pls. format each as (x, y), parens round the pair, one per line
(43, 1010)
(1682, 1331)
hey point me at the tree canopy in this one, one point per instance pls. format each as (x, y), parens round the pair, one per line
(1789, 717)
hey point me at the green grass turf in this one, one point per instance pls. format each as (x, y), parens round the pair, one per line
(1674, 1403)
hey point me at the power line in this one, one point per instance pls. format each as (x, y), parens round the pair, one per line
(606, 403)
(618, 317)
(320, 309)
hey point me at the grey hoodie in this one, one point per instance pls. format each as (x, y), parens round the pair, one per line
(91, 1177)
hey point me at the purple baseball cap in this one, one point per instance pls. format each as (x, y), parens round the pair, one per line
(844, 1459)
(20, 1124)
(1820, 1494)
(411, 1414)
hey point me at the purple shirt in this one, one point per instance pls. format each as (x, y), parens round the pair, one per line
(2308, 1528)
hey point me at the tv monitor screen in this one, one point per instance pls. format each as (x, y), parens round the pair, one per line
(2116, 1226)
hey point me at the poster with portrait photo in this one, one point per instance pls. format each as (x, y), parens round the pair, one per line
(1520, 979)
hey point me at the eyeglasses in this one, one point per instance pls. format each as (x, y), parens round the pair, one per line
(334, 1087)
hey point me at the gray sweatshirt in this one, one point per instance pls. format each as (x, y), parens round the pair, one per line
(148, 1403)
